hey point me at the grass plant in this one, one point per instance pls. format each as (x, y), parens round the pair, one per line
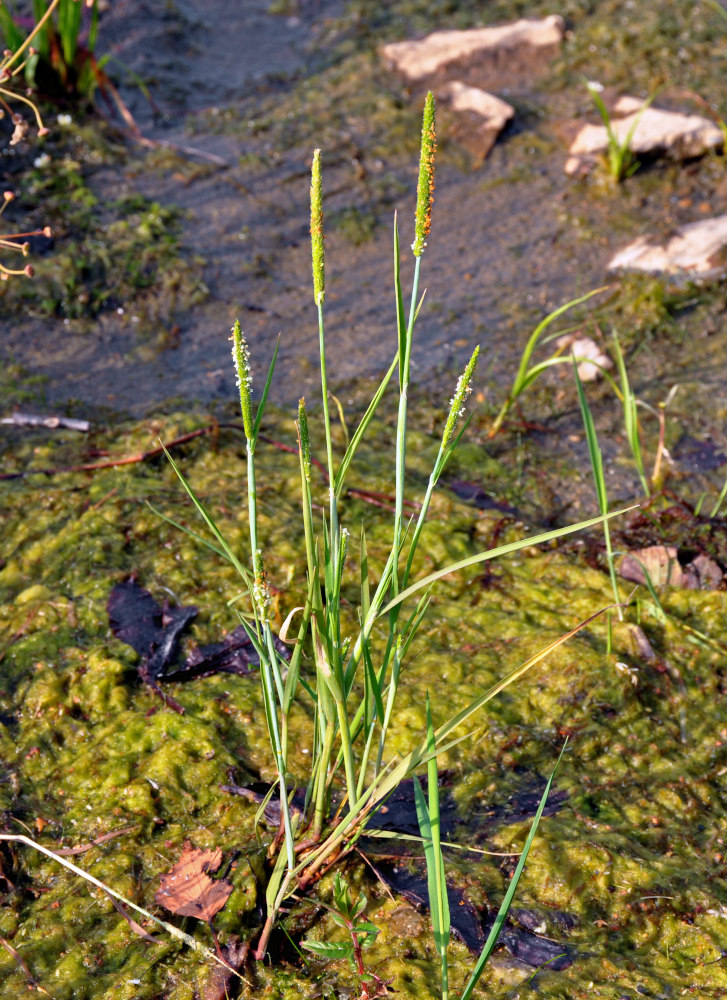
(528, 370)
(63, 44)
(632, 426)
(353, 680)
(346, 666)
(599, 478)
(620, 156)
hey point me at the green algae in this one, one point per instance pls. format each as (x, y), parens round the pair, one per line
(109, 252)
(636, 854)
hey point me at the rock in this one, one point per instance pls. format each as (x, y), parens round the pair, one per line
(662, 565)
(696, 250)
(657, 132)
(585, 348)
(706, 572)
(495, 58)
(478, 117)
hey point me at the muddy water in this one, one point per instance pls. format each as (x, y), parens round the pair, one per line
(260, 85)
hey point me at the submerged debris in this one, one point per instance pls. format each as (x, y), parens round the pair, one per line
(52, 423)
(153, 631)
(659, 565)
(188, 890)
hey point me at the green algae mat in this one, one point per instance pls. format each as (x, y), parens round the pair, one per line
(627, 878)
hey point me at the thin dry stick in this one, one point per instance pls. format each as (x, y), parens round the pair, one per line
(18, 958)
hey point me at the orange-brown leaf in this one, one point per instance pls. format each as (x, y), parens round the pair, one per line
(188, 889)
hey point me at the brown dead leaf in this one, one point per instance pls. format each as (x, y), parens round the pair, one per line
(188, 889)
(659, 561)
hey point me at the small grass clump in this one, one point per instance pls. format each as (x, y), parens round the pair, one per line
(356, 660)
(620, 159)
(61, 58)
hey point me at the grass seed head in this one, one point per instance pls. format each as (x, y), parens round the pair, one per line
(260, 589)
(461, 392)
(241, 359)
(304, 438)
(425, 186)
(316, 229)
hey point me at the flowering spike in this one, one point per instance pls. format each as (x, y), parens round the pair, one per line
(425, 186)
(461, 392)
(241, 359)
(316, 229)
(260, 589)
(304, 438)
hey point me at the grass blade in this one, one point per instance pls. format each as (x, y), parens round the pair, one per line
(266, 390)
(362, 428)
(594, 451)
(512, 888)
(209, 521)
(500, 550)
(428, 816)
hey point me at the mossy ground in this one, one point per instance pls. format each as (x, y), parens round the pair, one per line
(636, 854)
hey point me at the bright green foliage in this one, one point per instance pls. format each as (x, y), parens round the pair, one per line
(346, 913)
(429, 824)
(527, 373)
(64, 41)
(599, 477)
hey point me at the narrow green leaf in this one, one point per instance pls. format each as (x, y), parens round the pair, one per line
(362, 428)
(266, 390)
(500, 550)
(331, 951)
(187, 531)
(209, 521)
(512, 888)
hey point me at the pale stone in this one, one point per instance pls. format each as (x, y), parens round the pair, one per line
(590, 359)
(655, 131)
(695, 250)
(661, 564)
(479, 116)
(487, 57)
